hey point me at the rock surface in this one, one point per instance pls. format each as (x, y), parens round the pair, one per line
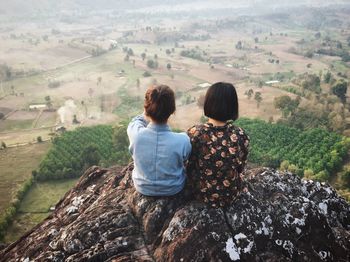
(281, 218)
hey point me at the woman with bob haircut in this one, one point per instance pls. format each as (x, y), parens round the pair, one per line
(158, 153)
(219, 149)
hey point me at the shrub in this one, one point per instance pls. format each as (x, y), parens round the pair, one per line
(147, 74)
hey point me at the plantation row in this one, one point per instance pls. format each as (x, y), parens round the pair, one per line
(315, 152)
(7, 216)
(76, 150)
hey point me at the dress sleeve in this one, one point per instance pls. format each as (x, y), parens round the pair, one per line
(190, 167)
(244, 142)
(135, 126)
(187, 148)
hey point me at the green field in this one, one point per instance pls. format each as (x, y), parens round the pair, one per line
(36, 204)
(16, 165)
(11, 125)
(315, 151)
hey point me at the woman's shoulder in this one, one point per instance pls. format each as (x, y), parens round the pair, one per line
(197, 129)
(239, 131)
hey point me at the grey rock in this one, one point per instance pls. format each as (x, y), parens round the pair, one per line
(281, 218)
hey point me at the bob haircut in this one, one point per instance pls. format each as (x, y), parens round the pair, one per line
(159, 103)
(221, 102)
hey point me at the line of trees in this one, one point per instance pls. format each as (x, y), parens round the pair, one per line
(74, 151)
(316, 152)
(7, 216)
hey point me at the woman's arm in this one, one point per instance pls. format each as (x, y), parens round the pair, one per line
(135, 126)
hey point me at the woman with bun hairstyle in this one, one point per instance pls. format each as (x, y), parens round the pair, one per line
(158, 153)
(219, 149)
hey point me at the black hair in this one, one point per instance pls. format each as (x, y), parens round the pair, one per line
(221, 102)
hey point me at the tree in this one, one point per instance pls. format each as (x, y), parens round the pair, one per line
(168, 52)
(130, 52)
(168, 66)
(120, 137)
(256, 40)
(327, 77)
(2, 115)
(39, 139)
(311, 82)
(152, 63)
(346, 177)
(143, 56)
(286, 104)
(147, 74)
(239, 45)
(340, 89)
(3, 145)
(249, 93)
(155, 56)
(90, 156)
(309, 54)
(308, 174)
(48, 102)
(258, 98)
(284, 165)
(75, 120)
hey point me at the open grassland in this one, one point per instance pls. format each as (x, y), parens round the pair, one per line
(35, 206)
(16, 165)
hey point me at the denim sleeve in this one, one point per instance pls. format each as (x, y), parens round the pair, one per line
(135, 126)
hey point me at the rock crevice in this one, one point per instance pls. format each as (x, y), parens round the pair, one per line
(103, 218)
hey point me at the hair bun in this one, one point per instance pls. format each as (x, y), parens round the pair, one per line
(155, 94)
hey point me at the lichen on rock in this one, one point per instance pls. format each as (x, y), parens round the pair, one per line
(103, 218)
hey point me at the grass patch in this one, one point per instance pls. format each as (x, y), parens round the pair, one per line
(35, 206)
(44, 195)
(16, 165)
(9, 124)
(340, 66)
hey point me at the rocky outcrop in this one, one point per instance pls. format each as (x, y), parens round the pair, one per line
(103, 218)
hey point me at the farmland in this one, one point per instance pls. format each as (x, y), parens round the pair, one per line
(62, 73)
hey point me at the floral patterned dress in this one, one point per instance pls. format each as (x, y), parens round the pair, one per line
(216, 165)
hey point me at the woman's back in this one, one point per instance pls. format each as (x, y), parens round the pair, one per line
(219, 154)
(159, 156)
(158, 153)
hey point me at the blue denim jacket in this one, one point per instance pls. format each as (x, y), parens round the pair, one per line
(159, 156)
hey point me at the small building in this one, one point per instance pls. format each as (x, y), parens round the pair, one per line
(272, 82)
(37, 106)
(204, 85)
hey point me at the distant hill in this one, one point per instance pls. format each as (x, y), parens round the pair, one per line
(17, 7)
